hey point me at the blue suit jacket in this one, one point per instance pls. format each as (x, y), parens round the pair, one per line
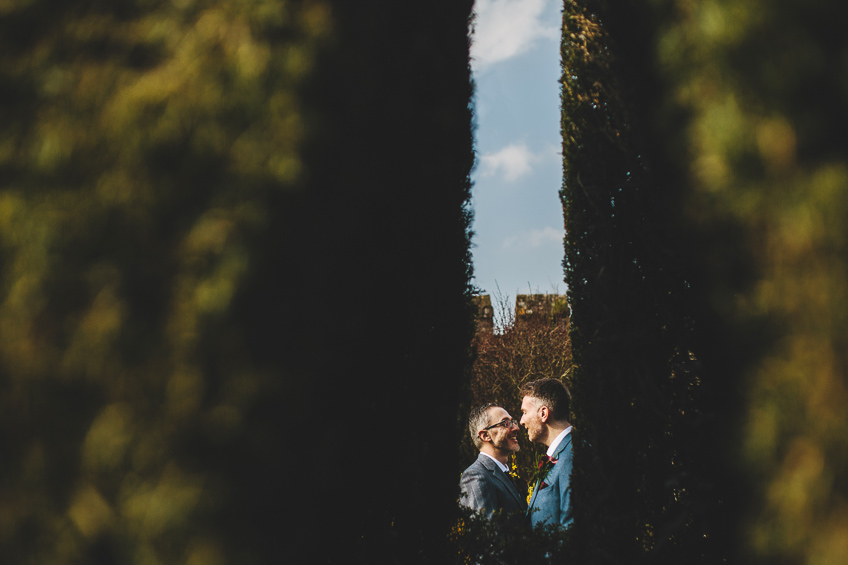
(552, 504)
(485, 488)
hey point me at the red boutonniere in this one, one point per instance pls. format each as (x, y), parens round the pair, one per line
(545, 464)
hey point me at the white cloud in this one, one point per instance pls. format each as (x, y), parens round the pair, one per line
(534, 239)
(506, 28)
(513, 162)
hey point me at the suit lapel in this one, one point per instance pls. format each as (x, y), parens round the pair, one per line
(508, 484)
(566, 441)
(500, 476)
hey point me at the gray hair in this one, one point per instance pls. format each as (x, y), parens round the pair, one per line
(477, 420)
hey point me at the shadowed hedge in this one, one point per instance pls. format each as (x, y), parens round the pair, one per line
(704, 193)
(234, 266)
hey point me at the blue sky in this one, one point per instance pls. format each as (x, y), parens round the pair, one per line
(517, 215)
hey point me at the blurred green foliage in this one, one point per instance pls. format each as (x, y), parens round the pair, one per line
(763, 84)
(205, 212)
(140, 145)
(705, 179)
(498, 541)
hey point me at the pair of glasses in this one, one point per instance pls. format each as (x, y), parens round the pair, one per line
(506, 422)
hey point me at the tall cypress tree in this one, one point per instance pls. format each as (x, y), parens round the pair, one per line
(643, 491)
(713, 128)
(761, 163)
(235, 279)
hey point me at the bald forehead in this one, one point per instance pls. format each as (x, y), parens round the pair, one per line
(496, 414)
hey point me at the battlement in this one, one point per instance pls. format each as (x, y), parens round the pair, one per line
(552, 306)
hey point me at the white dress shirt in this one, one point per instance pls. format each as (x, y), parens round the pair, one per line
(559, 438)
(503, 467)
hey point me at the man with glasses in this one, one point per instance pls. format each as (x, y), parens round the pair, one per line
(486, 485)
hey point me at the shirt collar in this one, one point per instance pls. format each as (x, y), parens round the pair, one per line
(556, 442)
(503, 467)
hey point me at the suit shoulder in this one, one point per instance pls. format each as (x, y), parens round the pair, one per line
(474, 469)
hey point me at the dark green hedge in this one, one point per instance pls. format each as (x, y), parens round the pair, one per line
(234, 265)
(704, 196)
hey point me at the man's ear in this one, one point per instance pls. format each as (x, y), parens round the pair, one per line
(484, 435)
(544, 414)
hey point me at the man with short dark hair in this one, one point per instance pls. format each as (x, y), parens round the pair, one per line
(545, 410)
(486, 485)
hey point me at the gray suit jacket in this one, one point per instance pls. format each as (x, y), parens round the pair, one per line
(552, 503)
(485, 488)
